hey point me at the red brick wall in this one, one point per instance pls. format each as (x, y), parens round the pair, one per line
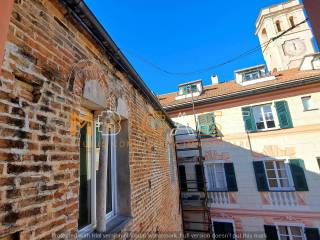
(313, 10)
(39, 157)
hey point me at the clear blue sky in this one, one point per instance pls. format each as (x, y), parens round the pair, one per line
(182, 36)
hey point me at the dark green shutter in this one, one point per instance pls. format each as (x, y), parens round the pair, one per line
(206, 124)
(248, 119)
(183, 179)
(261, 178)
(98, 137)
(184, 90)
(199, 176)
(271, 232)
(312, 233)
(231, 177)
(298, 175)
(284, 116)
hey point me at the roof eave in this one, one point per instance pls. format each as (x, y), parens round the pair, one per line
(82, 14)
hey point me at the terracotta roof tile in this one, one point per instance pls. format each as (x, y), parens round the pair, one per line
(233, 87)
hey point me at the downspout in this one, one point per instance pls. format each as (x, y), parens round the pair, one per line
(6, 11)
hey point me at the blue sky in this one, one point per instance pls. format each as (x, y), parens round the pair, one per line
(182, 36)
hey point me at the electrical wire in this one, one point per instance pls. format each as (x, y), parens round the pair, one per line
(263, 47)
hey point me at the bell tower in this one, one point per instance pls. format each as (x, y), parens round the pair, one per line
(286, 52)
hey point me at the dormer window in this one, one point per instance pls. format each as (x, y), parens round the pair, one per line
(191, 89)
(251, 75)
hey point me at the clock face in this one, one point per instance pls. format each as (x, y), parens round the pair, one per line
(295, 47)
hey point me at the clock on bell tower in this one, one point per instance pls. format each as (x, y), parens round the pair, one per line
(286, 52)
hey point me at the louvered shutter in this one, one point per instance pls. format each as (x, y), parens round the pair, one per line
(230, 177)
(261, 178)
(206, 124)
(183, 178)
(298, 175)
(200, 178)
(284, 115)
(271, 232)
(248, 119)
(312, 233)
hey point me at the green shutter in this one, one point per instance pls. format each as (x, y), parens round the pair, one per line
(183, 178)
(312, 233)
(298, 175)
(284, 116)
(230, 177)
(206, 124)
(271, 232)
(184, 90)
(261, 178)
(200, 178)
(248, 119)
(98, 137)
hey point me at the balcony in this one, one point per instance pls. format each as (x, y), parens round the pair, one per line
(283, 199)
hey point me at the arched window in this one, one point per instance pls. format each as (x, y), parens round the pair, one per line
(264, 35)
(278, 26)
(291, 19)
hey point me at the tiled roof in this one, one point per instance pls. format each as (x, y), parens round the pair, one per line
(233, 87)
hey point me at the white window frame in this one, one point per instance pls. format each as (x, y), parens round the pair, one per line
(209, 183)
(311, 103)
(90, 228)
(302, 226)
(264, 119)
(225, 220)
(288, 171)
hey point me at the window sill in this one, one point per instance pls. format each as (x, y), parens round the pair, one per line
(310, 110)
(269, 130)
(114, 226)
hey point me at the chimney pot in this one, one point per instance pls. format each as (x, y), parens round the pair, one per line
(214, 79)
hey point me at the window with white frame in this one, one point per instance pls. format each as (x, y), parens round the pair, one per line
(216, 177)
(307, 103)
(291, 233)
(263, 117)
(278, 175)
(251, 75)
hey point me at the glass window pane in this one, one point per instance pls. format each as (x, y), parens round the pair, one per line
(271, 124)
(85, 178)
(296, 231)
(273, 183)
(306, 103)
(269, 165)
(283, 230)
(271, 174)
(284, 183)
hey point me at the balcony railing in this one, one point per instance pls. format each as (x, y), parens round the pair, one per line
(218, 198)
(283, 199)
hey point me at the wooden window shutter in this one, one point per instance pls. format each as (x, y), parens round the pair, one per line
(312, 233)
(261, 178)
(206, 124)
(284, 115)
(98, 137)
(231, 177)
(183, 178)
(199, 177)
(248, 119)
(298, 175)
(271, 232)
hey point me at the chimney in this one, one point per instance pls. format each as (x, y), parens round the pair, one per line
(214, 79)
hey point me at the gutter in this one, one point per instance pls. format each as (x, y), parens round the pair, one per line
(200, 102)
(83, 15)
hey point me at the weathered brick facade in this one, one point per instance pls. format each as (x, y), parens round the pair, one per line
(39, 155)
